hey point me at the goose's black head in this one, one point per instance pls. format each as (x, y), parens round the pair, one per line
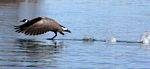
(24, 20)
(66, 29)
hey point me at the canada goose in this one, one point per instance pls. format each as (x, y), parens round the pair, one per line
(40, 25)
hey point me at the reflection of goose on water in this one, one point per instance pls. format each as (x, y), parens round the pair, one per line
(41, 25)
(37, 53)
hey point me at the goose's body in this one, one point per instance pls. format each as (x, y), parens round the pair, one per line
(41, 25)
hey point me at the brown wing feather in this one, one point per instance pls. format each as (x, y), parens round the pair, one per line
(39, 27)
(22, 27)
(31, 22)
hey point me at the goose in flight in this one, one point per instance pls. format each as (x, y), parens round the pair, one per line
(41, 25)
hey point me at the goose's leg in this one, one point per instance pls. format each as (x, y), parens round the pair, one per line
(54, 36)
(61, 33)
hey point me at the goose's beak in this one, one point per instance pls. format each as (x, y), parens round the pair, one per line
(68, 31)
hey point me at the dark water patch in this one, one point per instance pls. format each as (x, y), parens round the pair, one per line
(30, 53)
(16, 1)
(79, 39)
(26, 40)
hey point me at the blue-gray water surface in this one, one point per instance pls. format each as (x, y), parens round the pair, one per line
(124, 19)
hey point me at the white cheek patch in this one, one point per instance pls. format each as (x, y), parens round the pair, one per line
(64, 28)
(26, 20)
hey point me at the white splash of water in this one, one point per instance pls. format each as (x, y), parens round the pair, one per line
(88, 38)
(145, 38)
(111, 39)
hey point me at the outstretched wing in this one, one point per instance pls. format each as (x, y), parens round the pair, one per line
(31, 22)
(39, 26)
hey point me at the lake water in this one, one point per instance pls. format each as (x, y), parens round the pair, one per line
(100, 19)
